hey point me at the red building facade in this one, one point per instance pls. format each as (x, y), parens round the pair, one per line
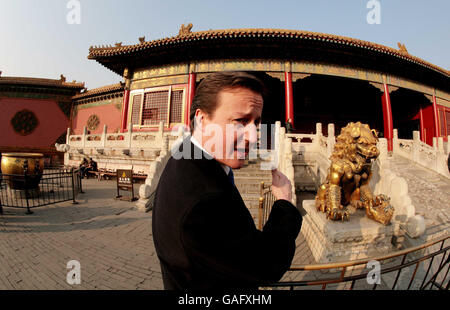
(35, 114)
(97, 108)
(312, 77)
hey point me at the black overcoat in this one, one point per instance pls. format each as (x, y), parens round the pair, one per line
(204, 235)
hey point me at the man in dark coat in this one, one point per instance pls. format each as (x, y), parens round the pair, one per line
(204, 235)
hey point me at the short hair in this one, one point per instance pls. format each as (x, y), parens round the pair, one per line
(207, 91)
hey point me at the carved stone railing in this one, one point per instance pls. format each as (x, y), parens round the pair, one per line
(317, 143)
(283, 156)
(314, 151)
(432, 157)
(126, 140)
(405, 147)
(118, 150)
(385, 181)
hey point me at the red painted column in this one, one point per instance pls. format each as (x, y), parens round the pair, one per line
(437, 131)
(190, 96)
(123, 122)
(387, 117)
(446, 133)
(289, 98)
(422, 127)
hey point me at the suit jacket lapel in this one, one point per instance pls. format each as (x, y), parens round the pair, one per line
(190, 151)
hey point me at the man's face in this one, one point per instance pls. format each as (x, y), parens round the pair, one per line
(228, 133)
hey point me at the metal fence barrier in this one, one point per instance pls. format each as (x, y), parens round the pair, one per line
(266, 200)
(397, 271)
(422, 267)
(57, 184)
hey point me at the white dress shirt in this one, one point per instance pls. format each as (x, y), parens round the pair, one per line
(197, 144)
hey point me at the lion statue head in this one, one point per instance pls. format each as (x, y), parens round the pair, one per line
(356, 142)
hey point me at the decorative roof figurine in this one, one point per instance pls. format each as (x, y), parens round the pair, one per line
(185, 29)
(402, 48)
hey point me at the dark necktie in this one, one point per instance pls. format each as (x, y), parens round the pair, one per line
(231, 176)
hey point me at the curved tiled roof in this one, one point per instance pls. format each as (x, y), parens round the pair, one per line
(40, 82)
(100, 53)
(100, 90)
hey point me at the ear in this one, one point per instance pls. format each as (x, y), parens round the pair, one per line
(199, 115)
(199, 118)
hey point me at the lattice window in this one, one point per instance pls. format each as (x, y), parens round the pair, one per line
(442, 122)
(155, 107)
(136, 109)
(151, 107)
(176, 106)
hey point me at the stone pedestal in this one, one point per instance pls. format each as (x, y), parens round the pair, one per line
(336, 241)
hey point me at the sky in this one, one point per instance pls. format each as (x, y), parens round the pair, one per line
(36, 39)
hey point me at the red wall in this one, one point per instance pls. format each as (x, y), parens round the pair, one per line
(444, 121)
(108, 114)
(52, 122)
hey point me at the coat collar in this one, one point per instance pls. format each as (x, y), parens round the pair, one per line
(189, 151)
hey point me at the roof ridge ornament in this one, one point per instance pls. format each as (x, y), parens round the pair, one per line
(184, 30)
(142, 39)
(402, 48)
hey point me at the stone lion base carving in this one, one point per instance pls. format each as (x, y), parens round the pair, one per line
(357, 238)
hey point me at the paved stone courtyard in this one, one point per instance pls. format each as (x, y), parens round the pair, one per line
(111, 240)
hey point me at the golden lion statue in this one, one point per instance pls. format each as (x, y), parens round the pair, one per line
(348, 178)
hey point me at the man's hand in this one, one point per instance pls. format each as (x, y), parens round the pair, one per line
(281, 186)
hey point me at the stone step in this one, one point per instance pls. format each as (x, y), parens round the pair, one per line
(252, 180)
(248, 180)
(256, 164)
(251, 174)
(252, 169)
(248, 188)
(251, 183)
(251, 200)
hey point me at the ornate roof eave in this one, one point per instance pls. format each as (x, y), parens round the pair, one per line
(112, 56)
(100, 91)
(33, 82)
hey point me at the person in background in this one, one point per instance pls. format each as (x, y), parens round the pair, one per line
(289, 126)
(92, 166)
(83, 165)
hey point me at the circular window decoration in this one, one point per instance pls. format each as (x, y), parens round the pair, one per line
(24, 122)
(93, 122)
